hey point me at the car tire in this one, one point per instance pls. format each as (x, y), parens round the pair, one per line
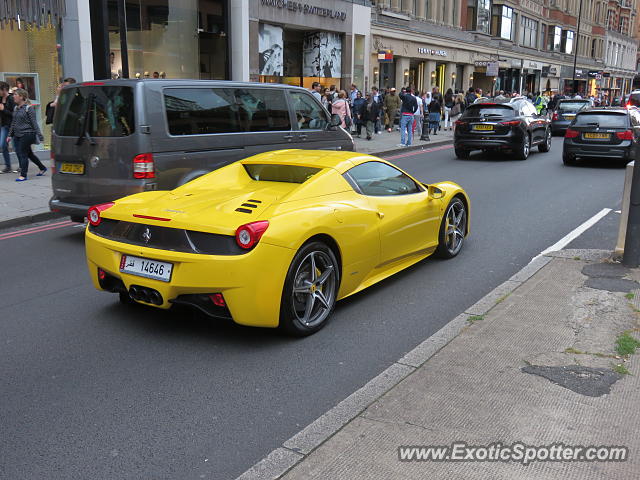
(453, 229)
(568, 159)
(523, 152)
(546, 145)
(310, 290)
(461, 153)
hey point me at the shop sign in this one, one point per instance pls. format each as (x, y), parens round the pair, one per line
(579, 73)
(594, 73)
(305, 9)
(492, 69)
(549, 71)
(533, 65)
(482, 63)
(385, 56)
(429, 51)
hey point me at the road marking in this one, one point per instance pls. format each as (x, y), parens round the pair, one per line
(571, 236)
(29, 231)
(419, 152)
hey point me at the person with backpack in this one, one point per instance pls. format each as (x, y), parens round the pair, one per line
(25, 132)
(342, 108)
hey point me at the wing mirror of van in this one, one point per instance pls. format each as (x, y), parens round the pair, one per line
(335, 120)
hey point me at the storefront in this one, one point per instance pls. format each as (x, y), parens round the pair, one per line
(30, 59)
(550, 78)
(171, 39)
(301, 43)
(567, 83)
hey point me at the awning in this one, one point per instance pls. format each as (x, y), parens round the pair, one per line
(36, 12)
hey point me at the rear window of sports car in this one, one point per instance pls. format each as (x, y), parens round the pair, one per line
(280, 173)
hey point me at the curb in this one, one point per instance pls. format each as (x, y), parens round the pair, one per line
(422, 146)
(36, 217)
(297, 448)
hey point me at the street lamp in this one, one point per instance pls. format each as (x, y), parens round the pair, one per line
(575, 55)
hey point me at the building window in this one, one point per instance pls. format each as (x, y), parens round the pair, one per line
(568, 37)
(557, 39)
(484, 16)
(502, 22)
(528, 32)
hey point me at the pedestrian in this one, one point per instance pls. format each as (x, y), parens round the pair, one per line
(25, 132)
(457, 109)
(342, 108)
(435, 112)
(316, 88)
(392, 104)
(333, 92)
(407, 108)
(471, 97)
(50, 109)
(500, 97)
(357, 110)
(418, 115)
(353, 93)
(327, 99)
(370, 114)
(377, 97)
(448, 105)
(7, 106)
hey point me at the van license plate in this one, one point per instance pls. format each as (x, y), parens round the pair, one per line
(598, 136)
(72, 168)
(484, 128)
(143, 267)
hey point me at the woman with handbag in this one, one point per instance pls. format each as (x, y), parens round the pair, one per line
(25, 132)
(456, 110)
(341, 107)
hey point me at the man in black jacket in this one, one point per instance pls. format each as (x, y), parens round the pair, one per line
(407, 109)
(7, 105)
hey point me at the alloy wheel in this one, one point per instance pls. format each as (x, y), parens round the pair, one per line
(455, 226)
(314, 288)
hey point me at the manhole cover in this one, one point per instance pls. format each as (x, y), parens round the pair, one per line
(593, 382)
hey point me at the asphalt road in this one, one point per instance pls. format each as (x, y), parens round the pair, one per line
(93, 389)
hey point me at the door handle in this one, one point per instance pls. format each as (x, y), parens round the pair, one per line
(288, 137)
(381, 214)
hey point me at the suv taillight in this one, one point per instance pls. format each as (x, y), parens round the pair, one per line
(93, 215)
(248, 235)
(512, 123)
(626, 135)
(571, 133)
(143, 166)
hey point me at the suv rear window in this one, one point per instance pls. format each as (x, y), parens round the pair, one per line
(606, 120)
(100, 111)
(280, 173)
(572, 106)
(484, 110)
(201, 111)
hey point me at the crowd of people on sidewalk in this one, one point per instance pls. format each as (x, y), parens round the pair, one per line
(426, 112)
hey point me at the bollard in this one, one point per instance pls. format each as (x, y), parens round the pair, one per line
(631, 256)
(624, 214)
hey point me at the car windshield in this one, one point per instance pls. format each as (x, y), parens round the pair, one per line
(602, 120)
(485, 110)
(280, 173)
(572, 106)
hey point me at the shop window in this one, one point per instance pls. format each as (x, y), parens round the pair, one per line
(309, 114)
(199, 111)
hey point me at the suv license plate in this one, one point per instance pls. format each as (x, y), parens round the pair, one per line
(143, 267)
(484, 128)
(72, 168)
(597, 136)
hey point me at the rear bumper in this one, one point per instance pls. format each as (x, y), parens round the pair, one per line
(622, 151)
(71, 209)
(251, 283)
(507, 143)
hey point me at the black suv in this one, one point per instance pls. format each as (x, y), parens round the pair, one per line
(512, 126)
(611, 133)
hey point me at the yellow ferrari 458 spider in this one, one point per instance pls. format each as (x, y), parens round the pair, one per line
(273, 240)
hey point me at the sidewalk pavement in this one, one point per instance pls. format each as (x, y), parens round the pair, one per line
(532, 362)
(26, 202)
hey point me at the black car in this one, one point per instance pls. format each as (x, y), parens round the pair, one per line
(513, 126)
(565, 112)
(609, 133)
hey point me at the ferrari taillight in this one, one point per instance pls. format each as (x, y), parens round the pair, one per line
(143, 166)
(94, 213)
(248, 235)
(571, 133)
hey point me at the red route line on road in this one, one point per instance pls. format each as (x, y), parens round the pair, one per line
(29, 231)
(418, 152)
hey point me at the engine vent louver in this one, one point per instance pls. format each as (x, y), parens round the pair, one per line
(249, 203)
(244, 210)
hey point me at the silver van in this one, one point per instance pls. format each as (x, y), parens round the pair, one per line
(114, 138)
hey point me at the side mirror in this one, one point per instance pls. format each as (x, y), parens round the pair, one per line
(335, 121)
(435, 192)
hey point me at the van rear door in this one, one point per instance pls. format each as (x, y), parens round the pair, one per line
(95, 143)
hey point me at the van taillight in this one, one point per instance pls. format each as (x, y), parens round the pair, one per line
(52, 167)
(143, 166)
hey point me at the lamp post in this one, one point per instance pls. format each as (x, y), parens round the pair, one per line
(575, 55)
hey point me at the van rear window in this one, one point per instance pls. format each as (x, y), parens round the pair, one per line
(100, 111)
(201, 111)
(280, 173)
